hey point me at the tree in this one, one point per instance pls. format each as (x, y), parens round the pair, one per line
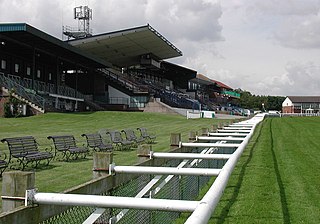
(249, 101)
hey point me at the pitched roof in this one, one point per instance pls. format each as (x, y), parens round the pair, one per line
(304, 99)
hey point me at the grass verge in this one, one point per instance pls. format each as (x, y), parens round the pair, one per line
(59, 176)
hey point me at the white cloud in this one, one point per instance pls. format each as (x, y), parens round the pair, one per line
(299, 79)
(243, 43)
(284, 7)
(296, 32)
(193, 20)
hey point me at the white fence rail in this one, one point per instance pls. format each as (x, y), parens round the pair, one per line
(201, 210)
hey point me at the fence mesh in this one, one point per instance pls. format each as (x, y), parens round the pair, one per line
(178, 188)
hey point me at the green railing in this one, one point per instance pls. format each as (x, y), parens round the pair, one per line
(231, 93)
(23, 92)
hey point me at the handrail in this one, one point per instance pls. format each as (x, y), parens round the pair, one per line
(44, 87)
(127, 83)
(22, 91)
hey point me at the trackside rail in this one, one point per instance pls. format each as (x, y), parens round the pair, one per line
(210, 200)
(201, 210)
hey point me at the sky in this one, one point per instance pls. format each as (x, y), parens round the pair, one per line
(267, 47)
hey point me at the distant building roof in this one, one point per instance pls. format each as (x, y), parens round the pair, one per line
(304, 99)
(204, 80)
(222, 85)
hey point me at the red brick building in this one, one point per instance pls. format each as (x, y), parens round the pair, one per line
(301, 104)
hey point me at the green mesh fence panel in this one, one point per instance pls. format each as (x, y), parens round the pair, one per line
(178, 188)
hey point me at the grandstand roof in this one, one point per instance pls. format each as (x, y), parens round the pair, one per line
(204, 80)
(179, 74)
(304, 99)
(124, 47)
(26, 35)
(222, 85)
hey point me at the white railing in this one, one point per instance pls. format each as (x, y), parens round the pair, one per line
(201, 210)
(300, 114)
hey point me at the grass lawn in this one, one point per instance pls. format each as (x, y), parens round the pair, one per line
(277, 179)
(63, 175)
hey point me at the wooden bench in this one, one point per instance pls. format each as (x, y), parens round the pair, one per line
(150, 138)
(25, 150)
(3, 163)
(118, 141)
(95, 142)
(131, 136)
(66, 144)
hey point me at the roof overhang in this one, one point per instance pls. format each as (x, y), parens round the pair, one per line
(179, 74)
(124, 48)
(304, 99)
(26, 35)
(202, 80)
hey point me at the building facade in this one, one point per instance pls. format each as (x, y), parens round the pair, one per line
(301, 104)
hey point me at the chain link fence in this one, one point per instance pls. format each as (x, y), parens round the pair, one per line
(177, 188)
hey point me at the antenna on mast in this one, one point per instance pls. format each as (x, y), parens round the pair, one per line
(83, 14)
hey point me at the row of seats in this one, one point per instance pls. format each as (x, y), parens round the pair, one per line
(25, 150)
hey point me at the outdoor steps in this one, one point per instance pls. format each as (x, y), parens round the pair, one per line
(39, 109)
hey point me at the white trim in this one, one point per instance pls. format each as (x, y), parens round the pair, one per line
(66, 97)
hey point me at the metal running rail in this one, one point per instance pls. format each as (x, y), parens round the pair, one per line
(201, 210)
(210, 200)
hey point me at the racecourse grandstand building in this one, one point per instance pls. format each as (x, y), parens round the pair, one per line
(211, 93)
(119, 70)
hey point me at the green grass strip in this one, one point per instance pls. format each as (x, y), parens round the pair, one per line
(59, 176)
(277, 178)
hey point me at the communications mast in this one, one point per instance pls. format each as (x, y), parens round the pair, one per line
(83, 14)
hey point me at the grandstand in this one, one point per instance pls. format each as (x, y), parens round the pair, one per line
(118, 70)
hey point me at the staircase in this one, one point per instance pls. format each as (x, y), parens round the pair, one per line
(27, 96)
(123, 84)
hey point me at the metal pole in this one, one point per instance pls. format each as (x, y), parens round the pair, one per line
(204, 144)
(241, 125)
(112, 202)
(234, 131)
(237, 128)
(227, 138)
(189, 155)
(228, 134)
(165, 170)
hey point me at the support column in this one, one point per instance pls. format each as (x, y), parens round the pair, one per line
(143, 152)
(15, 184)
(214, 128)
(101, 162)
(192, 136)
(175, 138)
(33, 74)
(204, 131)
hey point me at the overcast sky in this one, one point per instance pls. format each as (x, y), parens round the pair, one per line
(268, 47)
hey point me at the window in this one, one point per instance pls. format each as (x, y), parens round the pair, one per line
(38, 73)
(16, 68)
(50, 76)
(28, 71)
(3, 64)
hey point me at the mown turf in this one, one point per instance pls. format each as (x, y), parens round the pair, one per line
(63, 175)
(277, 179)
